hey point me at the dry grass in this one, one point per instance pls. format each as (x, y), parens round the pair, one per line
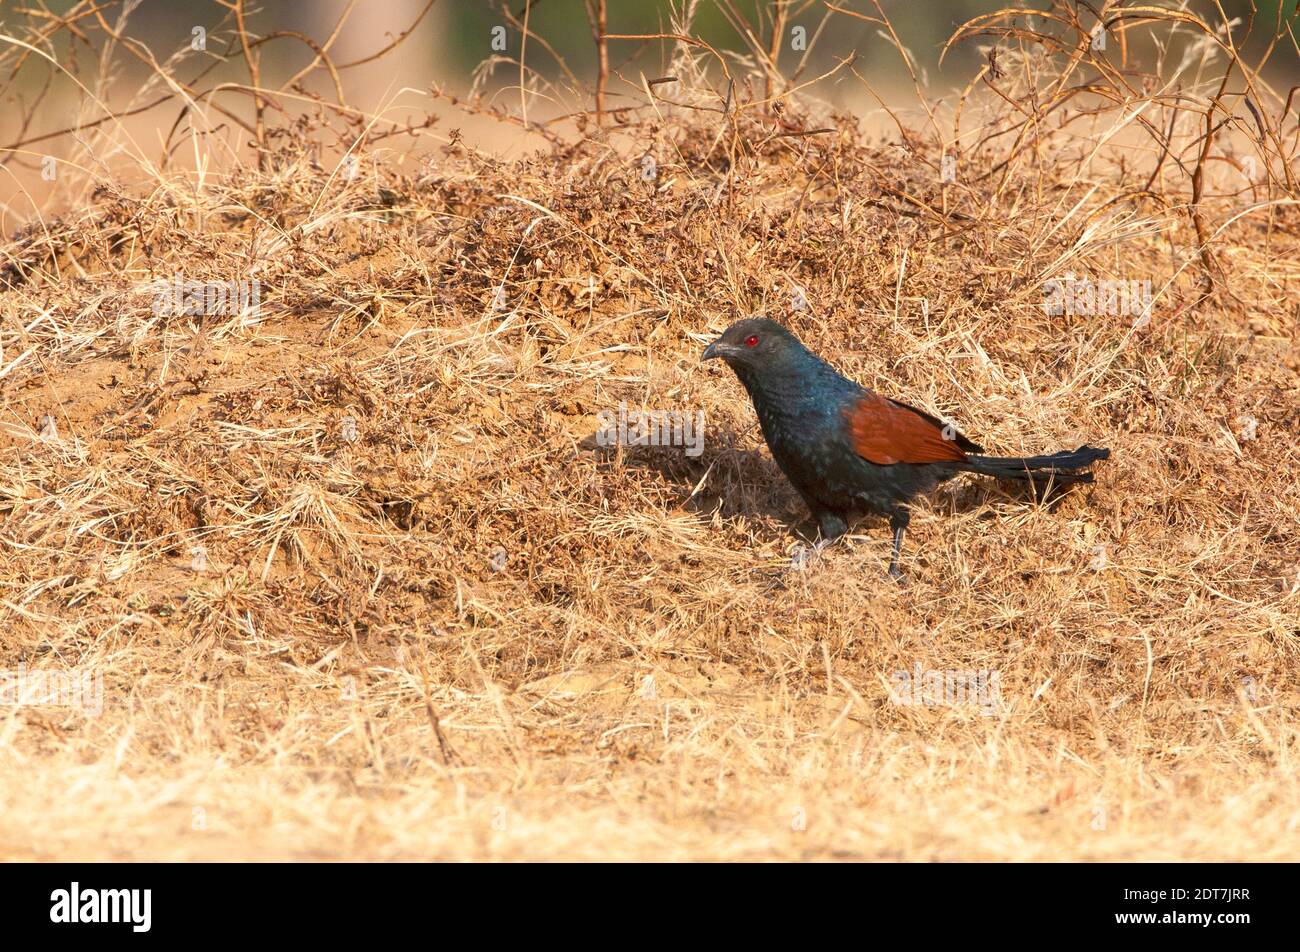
(349, 671)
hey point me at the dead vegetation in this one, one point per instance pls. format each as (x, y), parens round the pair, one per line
(360, 583)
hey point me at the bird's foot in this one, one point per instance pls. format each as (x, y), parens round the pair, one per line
(897, 574)
(804, 556)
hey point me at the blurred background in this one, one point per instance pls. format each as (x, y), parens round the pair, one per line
(438, 52)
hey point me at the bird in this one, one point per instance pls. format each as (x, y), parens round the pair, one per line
(850, 451)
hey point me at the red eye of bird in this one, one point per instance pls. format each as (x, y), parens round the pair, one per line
(751, 340)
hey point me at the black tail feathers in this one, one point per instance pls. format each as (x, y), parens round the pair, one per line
(1059, 467)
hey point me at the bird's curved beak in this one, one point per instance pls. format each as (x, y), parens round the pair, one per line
(716, 349)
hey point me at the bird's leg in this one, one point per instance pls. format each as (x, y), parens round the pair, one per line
(830, 525)
(898, 521)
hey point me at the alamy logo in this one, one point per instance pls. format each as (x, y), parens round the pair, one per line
(80, 689)
(947, 688)
(651, 428)
(103, 905)
(181, 298)
(1083, 296)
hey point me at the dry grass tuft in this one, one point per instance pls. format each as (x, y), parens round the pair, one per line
(360, 582)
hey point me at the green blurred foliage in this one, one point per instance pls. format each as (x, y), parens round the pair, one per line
(456, 35)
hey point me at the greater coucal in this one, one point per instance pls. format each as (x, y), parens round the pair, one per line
(849, 450)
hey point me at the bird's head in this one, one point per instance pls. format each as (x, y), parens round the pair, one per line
(754, 345)
(774, 366)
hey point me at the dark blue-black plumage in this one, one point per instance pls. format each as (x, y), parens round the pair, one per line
(848, 450)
